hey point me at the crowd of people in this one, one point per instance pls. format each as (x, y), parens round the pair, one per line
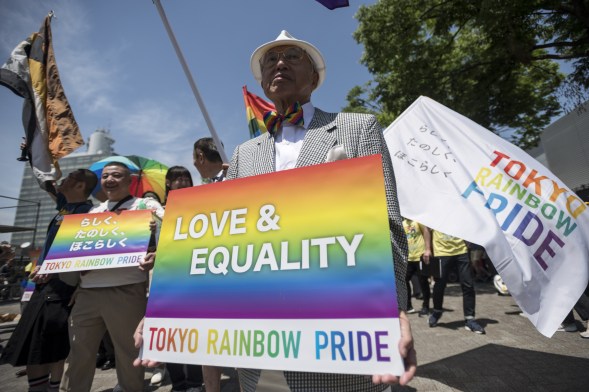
(8, 274)
(69, 314)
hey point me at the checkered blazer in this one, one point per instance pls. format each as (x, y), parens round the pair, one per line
(361, 135)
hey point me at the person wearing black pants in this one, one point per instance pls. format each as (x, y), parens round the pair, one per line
(420, 250)
(413, 269)
(462, 262)
(569, 324)
(184, 377)
(451, 251)
(105, 359)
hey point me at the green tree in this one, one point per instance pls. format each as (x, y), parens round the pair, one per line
(493, 61)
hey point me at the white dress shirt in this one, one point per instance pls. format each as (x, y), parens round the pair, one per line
(289, 140)
(287, 143)
(219, 177)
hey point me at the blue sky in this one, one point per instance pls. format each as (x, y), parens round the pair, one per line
(120, 72)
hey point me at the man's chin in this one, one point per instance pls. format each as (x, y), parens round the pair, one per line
(278, 91)
(114, 194)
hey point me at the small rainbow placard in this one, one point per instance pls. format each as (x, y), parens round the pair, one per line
(30, 285)
(290, 270)
(99, 241)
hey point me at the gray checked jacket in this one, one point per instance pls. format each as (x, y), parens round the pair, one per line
(360, 135)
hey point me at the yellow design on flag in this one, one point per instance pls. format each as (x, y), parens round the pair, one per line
(50, 127)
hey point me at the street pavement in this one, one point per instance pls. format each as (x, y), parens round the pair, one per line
(512, 356)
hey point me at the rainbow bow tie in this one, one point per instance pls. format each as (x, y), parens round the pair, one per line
(293, 115)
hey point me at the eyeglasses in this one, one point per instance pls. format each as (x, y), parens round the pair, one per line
(292, 55)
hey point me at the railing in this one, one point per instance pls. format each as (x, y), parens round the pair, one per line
(10, 291)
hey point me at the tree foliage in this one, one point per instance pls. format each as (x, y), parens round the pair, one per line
(490, 60)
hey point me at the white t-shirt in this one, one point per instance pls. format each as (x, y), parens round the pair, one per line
(126, 275)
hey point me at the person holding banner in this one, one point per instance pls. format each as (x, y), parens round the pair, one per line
(300, 134)
(110, 300)
(40, 340)
(450, 251)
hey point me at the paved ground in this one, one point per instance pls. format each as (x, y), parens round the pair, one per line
(512, 356)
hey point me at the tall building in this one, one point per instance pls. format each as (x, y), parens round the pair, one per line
(564, 149)
(38, 209)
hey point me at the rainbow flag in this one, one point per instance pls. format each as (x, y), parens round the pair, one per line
(255, 107)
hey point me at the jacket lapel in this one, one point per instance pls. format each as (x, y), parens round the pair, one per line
(319, 139)
(265, 160)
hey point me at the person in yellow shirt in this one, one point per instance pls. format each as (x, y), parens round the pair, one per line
(420, 250)
(450, 251)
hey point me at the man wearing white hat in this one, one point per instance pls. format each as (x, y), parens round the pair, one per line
(301, 135)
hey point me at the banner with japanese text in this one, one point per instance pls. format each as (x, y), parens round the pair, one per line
(461, 179)
(289, 270)
(99, 241)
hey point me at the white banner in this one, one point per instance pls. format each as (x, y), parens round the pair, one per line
(331, 346)
(461, 179)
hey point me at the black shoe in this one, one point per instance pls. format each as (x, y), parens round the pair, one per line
(423, 312)
(100, 360)
(434, 318)
(108, 365)
(473, 326)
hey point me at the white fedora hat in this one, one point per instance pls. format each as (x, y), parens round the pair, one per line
(284, 38)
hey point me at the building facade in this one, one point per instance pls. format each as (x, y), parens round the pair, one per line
(564, 149)
(36, 208)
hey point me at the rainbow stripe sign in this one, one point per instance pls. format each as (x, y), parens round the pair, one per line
(99, 241)
(289, 270)
(30, 285)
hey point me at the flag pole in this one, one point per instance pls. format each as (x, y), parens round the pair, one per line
(193, 86)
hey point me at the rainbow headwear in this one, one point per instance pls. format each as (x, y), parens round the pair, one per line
(293, 115)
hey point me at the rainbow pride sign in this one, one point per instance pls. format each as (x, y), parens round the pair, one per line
(99, 241)
(30, 285)
(290, 270)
